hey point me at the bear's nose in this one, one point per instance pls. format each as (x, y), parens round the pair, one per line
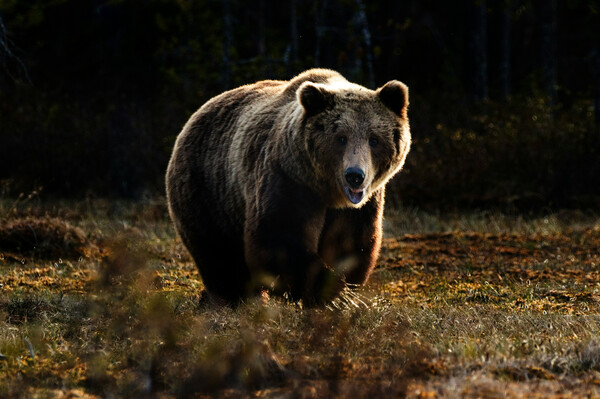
(354, 177)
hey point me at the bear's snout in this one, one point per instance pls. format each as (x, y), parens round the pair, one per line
(354, 176)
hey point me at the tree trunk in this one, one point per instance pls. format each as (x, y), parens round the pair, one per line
(364, 27)
(7, 57)
(596, 74)
(227, 43)
(262, 47)
(320, 29)
(504, 44)
(293, 32)
(478, 50)
(546, 16)
(4, 49)
(262, 39)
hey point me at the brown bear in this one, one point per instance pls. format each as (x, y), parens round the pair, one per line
(280, 185)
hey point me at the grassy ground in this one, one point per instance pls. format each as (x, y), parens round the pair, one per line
(99, 299)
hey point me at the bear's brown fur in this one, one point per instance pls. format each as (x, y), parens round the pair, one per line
(280, 184)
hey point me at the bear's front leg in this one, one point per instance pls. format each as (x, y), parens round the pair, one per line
(351, 239)
(281, 237)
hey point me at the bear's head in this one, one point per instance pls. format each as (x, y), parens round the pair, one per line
(356, 139)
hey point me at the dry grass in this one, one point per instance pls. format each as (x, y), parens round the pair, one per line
(463, 305)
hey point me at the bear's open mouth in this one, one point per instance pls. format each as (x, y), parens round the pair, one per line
(355, 196)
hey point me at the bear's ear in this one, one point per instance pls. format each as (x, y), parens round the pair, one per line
(394, 95)
(314, 98)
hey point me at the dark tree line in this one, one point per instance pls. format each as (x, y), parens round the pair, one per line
(508, 44)
(93, 92)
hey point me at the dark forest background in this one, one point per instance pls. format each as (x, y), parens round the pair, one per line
(505, 94)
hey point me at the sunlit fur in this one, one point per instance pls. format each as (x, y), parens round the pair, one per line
(255, 184)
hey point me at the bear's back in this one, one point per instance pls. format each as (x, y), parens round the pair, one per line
(315, 75)
(222, 143)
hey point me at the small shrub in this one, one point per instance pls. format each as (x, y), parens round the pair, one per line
(43, 238)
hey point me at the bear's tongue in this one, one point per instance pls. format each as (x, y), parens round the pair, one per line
(355, 196)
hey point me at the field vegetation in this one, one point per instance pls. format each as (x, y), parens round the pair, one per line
(100, 299)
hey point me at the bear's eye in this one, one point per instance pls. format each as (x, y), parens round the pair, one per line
(373, 142)
(342, 140)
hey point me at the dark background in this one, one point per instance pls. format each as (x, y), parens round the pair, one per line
(504, 94)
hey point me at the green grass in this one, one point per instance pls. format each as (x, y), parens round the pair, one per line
(461, 305)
